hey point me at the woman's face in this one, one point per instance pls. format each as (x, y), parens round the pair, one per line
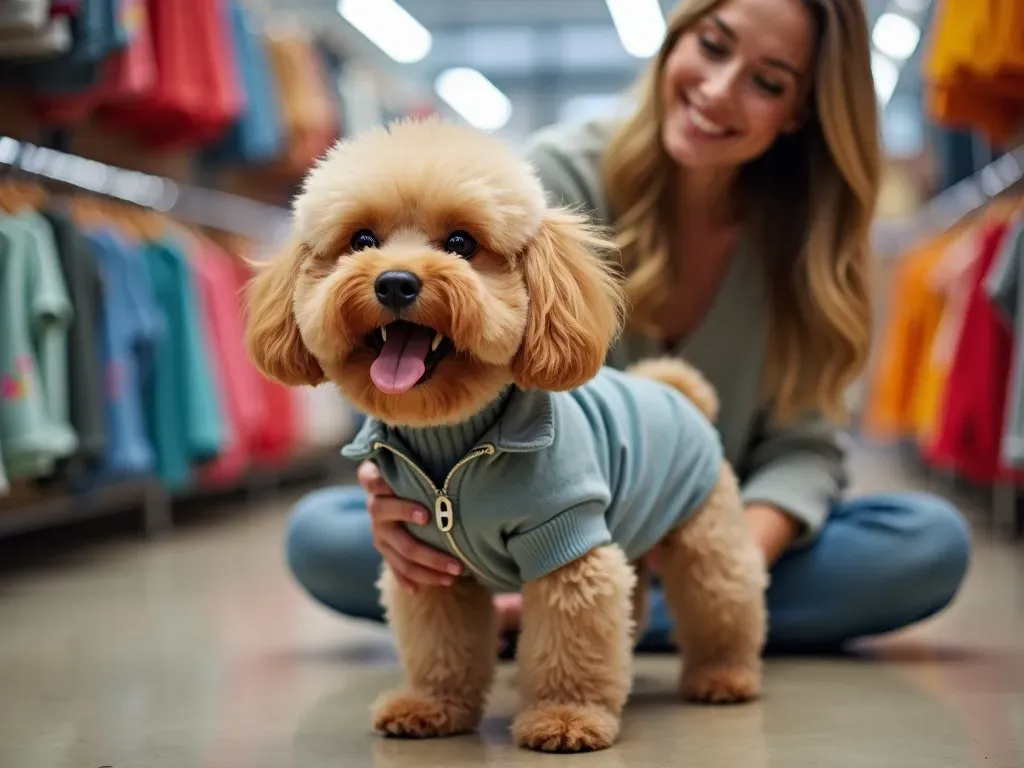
(735, 80)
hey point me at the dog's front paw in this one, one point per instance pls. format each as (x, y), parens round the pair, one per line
(420, 716)
(721, 684)
(565, 728)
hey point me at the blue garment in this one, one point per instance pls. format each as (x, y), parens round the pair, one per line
(880, 563)
(256, 136)
(131, 326)
(538, 479)
(183, 412)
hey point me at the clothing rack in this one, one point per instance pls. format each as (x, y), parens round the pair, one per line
(146, 495)
(196, 205)
(946, 210)
(891, 238)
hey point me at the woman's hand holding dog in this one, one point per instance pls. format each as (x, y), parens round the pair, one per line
(415, 564)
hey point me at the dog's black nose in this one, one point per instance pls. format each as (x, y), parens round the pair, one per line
(397, 290)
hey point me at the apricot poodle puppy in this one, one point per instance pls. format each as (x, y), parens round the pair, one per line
(429, 281)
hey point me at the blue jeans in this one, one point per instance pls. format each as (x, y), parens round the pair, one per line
(880, 563)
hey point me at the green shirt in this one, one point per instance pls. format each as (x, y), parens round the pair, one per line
(797, 467)
(35, 313)
(539, 479)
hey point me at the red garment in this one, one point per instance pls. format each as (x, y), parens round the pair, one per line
(275, 437)
(131, 73)
(198, 92)
(64, 8)
(971, 426)
(128, 73)
(240, 390)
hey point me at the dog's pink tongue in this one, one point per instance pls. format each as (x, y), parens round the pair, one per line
(402, 361)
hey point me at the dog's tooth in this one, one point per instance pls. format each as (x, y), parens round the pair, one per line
(438, 338)
(383, 334)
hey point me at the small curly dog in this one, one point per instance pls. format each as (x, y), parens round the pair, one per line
(429, 280)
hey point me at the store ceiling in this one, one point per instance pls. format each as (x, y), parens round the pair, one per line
(540, 53)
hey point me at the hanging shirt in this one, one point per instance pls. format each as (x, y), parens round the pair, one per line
(35, 312)
(82, 277)
(183, 411)
(255, 136)
(974, 67)
(243, 407)
(130, 327)
(1005, 287)
(95, 34)
(973, 415)
(905, 349)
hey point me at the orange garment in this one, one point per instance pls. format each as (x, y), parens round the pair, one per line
(917, 307)
(307, 110)
(974, 67)
(951, 277)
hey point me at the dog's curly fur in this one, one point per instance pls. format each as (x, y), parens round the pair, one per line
(536, 306)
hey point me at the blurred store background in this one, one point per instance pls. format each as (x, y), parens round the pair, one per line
(203, 114)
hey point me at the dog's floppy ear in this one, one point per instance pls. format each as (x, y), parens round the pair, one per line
(271, 335)
(575, 309)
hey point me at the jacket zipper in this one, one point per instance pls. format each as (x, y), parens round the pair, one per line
(444, 510)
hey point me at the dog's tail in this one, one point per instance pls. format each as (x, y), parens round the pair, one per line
(684, 377)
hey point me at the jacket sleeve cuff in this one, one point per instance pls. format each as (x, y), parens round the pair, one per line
(560, 541)
(803, 485)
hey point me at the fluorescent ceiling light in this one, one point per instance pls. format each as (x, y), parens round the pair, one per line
(913, 6)
(896, 36)
(388, 26)
(474, 97)
(885, 75)
(640, 24)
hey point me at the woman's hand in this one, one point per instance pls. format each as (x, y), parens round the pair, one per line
(414, 563)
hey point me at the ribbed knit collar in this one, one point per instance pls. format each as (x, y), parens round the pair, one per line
(438, 449)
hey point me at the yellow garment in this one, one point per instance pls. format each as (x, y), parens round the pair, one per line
(950, 277)
(915, 315)
(974, 66)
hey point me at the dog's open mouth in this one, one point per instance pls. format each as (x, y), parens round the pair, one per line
(407, 355)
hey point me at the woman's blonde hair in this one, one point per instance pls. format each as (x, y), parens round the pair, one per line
(808, 202)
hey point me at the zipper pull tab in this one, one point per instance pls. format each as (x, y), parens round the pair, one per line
(443, 513)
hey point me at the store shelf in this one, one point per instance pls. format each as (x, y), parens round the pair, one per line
(62, 509)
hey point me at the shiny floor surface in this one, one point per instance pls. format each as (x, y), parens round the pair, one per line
(198, 652)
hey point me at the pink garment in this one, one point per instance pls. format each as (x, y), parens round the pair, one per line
(131, 73)
(244, 404)
(276, 440)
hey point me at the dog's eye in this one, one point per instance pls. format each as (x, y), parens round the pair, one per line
(460, 243)
(363, 239)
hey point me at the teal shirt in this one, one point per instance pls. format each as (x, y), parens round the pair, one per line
(539, 479)
(35, 312)
(181, 397)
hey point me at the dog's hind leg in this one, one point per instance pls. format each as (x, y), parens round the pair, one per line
(575, 654)
(714, 579)
(445, 638)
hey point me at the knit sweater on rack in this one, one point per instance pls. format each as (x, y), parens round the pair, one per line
(536, 479)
